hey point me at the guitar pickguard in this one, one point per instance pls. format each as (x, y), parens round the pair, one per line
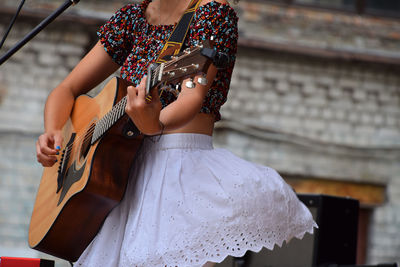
(62, 168)
(72, 176)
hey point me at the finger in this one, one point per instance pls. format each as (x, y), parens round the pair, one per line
(45, 160)
(155, 94)
(58, 139)
(131, 98)
(141, 92)
(143, 81)
(133, 92)
(142, 84)
(46, 144)
(130, 91)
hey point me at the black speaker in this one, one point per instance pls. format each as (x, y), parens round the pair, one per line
(334, 242)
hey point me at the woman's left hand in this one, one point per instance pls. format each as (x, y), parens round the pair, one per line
(145, 114)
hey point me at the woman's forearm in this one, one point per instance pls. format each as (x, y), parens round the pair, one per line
(188, 104)
(58, 109)
(96, 66)
(180, 112)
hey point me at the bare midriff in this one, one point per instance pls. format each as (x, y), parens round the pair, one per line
(202, 123)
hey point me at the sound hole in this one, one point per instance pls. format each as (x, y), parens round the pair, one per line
(86, 142)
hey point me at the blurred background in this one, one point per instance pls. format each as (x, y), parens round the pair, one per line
(315, 94)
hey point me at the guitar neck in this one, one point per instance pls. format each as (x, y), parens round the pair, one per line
(116, 113)
(111, 117)
(186, 64)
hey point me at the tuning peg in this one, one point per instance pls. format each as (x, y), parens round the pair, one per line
(202, 80)
(190, 84)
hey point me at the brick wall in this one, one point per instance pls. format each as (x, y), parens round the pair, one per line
(310, 117)
(25, 81)
(316, 29)
(336, 102)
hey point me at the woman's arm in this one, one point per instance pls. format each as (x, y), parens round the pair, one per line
(147, 116)
(188, 103)
(96, 66)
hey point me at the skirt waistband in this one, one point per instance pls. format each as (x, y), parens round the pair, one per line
(178, 141)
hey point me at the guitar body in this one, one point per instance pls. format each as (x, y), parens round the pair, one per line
(63, 223)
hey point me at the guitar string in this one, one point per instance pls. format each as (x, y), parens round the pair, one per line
(116, 110)
(103, 124)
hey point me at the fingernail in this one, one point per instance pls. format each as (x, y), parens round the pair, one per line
(55, 160)
(57, 153)
(58, 147)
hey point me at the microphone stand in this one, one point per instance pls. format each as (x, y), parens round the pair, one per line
(37, 29)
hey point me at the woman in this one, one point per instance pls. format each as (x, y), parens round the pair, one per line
(190, 205)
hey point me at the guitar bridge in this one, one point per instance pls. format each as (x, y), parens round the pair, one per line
(62, 168)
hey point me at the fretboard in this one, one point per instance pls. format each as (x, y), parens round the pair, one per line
(111, 117)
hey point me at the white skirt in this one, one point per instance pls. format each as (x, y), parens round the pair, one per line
(191, 204)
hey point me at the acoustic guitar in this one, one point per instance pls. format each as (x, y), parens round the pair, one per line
(100, 143)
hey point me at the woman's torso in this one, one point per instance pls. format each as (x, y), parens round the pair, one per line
(133, 42)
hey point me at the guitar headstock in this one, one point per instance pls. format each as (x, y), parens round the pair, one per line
(189, 63)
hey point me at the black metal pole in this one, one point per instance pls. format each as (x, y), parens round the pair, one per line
(37, 29)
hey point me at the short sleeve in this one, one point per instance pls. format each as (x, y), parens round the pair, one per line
(225, 27)
(219, 21)
(115, 35)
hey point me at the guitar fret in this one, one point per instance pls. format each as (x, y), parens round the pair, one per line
(106, 121)
(154, 76)
(121, 107)
(121, 111)
(101, 129)
(113, 117)
(116, 114)
(109, 119)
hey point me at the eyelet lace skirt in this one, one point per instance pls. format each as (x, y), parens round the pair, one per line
(188, 203)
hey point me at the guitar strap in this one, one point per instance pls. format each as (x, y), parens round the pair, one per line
(175, 42)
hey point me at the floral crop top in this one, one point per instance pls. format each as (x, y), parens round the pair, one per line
(134, 44)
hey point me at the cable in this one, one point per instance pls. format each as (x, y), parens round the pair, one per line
(12, 23)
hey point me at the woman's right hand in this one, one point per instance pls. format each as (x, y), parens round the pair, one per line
(48, 146)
